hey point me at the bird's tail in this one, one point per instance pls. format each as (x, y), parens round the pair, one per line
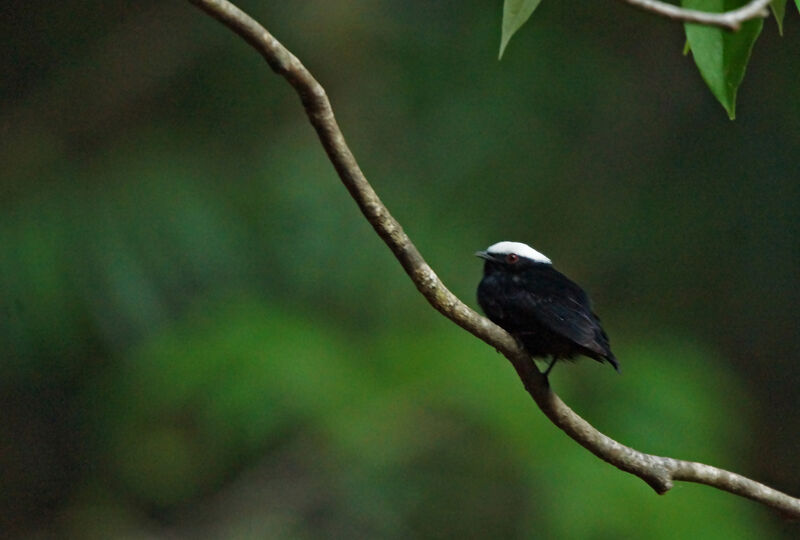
(611, 359)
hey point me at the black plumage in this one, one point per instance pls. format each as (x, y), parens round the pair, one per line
(546, 311)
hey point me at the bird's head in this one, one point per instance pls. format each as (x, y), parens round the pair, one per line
(511, 254)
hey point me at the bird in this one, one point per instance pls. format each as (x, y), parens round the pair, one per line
(546, 312)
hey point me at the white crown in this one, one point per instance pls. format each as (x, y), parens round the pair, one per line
(518, 248)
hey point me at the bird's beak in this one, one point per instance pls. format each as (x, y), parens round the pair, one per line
(483, 255)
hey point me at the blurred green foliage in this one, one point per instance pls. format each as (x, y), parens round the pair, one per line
(720, 55)
(203, 338)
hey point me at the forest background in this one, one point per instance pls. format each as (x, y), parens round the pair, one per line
(201, 334)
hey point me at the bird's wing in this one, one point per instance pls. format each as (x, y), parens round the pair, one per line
(567, 318)
(564, 308)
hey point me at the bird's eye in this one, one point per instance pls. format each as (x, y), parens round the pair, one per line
(511, 258)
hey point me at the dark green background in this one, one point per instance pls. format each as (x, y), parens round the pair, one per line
(201, 336)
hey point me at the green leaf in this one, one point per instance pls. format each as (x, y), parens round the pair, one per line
(798, 4)
(779, 10)
(720, 55)
(515, 13)
(686, 48)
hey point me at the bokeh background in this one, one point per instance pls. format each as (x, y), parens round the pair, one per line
(202, 338)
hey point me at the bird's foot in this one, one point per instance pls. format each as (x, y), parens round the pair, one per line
(549, 367)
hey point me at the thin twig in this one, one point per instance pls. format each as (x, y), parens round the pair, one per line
(730, 20)
(658, 472)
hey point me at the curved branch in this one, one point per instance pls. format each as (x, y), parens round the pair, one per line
(730, 20)
(658, 472)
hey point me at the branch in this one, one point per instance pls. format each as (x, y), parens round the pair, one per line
(730, 20)
(658, 472)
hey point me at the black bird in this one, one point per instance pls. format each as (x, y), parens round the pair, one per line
(542, 308)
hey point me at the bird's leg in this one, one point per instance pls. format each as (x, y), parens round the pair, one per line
(550, 366)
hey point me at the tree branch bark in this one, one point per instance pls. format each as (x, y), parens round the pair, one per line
(658, 472)
(730, 20)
